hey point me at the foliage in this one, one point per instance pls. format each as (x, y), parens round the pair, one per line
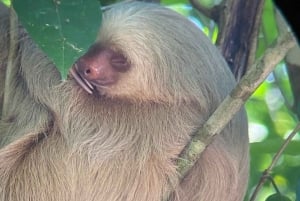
(277, 197)
(6, 2)
(63, 29)
(271, 120)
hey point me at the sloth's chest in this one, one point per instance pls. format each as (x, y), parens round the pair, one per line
(48, 174)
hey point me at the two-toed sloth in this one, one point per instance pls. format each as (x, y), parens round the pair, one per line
(114, 129)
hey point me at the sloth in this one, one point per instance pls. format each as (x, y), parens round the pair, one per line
(114, 129)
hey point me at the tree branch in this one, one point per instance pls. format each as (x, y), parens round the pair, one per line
(233, 102)
(239, 23)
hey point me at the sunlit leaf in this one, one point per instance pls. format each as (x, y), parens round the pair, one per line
(6, 2)
(63, 29)
(269, 30)
(269, 22)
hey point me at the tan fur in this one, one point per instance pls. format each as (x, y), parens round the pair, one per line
(61, 144)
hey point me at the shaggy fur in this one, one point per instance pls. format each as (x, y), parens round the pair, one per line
(59, 143)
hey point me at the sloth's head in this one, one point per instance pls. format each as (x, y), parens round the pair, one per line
(146, 52)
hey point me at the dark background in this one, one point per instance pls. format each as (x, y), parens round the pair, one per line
(291, 10)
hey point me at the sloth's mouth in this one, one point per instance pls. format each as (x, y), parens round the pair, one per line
(86, 85)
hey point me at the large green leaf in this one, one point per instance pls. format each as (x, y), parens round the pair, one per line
(63, 29)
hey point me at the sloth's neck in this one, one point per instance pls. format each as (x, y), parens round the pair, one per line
(108, 127)
(117, 146)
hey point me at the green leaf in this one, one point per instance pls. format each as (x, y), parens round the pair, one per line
(173, 2)
(278, 197)
(269, 22)
(271, 146)
(268, 29)
(6, 2)
(63, 29)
